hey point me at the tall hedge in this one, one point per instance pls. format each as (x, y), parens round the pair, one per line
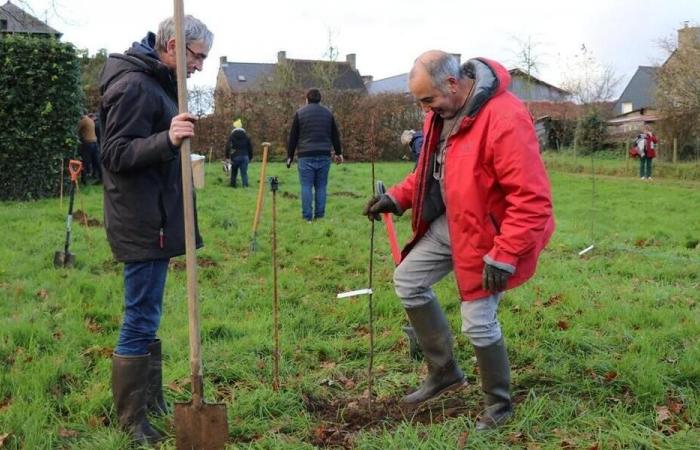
(370, 126)
(40, 105)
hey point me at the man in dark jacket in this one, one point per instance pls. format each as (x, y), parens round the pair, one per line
(240, 151)
(313, 133)
(143, 202)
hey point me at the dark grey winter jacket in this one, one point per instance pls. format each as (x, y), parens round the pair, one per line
(143, 202)
(313, 132)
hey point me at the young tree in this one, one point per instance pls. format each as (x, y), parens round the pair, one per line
(90, 70)
(589, 81)
(200, 100)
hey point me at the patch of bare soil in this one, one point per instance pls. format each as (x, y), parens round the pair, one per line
(340, 419)
(286, 194)
(83, 219)
(346, 194)
(178, 264)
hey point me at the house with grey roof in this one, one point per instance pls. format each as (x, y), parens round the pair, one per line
(236, 77)
(526, 87)
(14, 20)
(639, 92)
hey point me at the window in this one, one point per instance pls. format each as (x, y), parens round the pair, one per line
(3, 24)
(241, 78)
(626, 107)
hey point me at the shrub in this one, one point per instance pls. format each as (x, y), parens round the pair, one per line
(39, 109)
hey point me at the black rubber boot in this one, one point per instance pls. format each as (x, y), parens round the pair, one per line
(494, 369)
(129, 379)
(155, 402)
(414, 350)
(435, 339)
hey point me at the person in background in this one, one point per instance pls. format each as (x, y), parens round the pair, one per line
(482, 207)
(89, 152)
(646, 148)
(414, 140)
(314, 132)
(240, 151)
(143, 204)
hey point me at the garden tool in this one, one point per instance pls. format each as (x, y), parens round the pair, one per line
(274, 185)
(198, 425)
(413, 348)
(65, 258)
(259, 203)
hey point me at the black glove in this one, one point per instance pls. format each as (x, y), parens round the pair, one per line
(289, 162)
(377, 205)
(494, 279)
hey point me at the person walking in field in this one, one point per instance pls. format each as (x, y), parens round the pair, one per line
(646, 149)
(240, 151)
(143, 204)
(482, 207)
(313, 133)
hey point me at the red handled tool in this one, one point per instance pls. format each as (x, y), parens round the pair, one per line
(390, 230)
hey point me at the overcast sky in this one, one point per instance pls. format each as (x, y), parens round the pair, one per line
(387, 35)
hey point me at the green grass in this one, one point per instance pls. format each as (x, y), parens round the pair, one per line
(599, 344)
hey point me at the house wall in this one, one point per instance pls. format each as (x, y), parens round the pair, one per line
(531, 91)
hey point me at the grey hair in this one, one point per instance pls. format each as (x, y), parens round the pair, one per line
(195, 30)
(440, 69)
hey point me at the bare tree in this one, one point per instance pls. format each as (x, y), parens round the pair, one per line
(201, 100)
(325, 72)
(589, 81)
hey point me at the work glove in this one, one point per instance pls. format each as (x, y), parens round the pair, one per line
(379, 204)
(494, 279)
(289, 162)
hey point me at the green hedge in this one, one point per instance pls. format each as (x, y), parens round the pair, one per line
(40, 105)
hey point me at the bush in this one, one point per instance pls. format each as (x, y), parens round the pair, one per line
(267, 116)
(40, 109)
(591, 132)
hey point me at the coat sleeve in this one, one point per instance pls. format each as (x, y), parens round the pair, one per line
(521, 174)
(132, 145)
(402, 193)
(335, 137)
(293, 137)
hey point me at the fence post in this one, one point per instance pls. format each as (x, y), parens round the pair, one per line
(626, 154)
(675, 150)
(697, 150)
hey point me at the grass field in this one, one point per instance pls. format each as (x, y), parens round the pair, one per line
(604, 347)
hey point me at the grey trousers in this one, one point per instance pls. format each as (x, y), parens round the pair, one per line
(429, 261)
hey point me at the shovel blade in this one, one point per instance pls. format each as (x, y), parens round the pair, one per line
(202, 427)
(61, 259)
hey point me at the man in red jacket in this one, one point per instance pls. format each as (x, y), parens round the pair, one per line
(482, 207)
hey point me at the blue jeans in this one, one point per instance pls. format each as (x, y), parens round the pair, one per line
(645, 167)
(313, 174)
(239, 162)
(144, 283)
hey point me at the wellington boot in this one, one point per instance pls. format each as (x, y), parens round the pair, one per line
(494, 369)
(129, 379)
(155, 401)
(435, 339)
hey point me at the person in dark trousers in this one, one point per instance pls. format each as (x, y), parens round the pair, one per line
(313, 133)
(143, 204)
(646, 149)
(414, 140)
(240, 151)
(89, 152)
(482, 207)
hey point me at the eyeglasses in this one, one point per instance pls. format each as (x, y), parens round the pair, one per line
(197, 56)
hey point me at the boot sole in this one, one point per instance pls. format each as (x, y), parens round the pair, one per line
(412, 407)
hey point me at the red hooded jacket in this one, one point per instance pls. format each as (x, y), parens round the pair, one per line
(496, 190)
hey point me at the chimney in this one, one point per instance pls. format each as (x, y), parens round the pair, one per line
(458, 57)
(351, 58)
(223, 61)
(281, 57)
(688, 36)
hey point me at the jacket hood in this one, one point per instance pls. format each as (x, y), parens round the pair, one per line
(490, 79)
(141, 57)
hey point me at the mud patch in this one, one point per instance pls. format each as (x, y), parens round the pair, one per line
(83, 219)
(177, 264)
(340, 419)
(286, 194)
(346, 194)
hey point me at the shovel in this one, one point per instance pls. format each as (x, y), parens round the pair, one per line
(198, 425)
(259, 203)
(65, 258)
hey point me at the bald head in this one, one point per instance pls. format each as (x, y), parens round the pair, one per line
(438, 84)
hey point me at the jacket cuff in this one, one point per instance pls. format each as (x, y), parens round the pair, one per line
(165, 143)
(399, 209)
(501, 260)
